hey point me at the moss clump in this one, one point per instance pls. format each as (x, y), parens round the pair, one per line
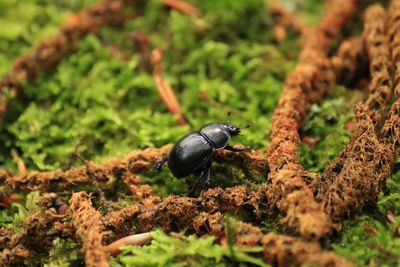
(180, 250)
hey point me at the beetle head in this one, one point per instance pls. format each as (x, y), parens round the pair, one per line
(231, 129)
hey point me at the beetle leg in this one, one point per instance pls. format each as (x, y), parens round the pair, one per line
(236, 149)
(203, 181)
(159, 164)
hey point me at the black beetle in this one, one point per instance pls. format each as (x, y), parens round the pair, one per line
(193, 152)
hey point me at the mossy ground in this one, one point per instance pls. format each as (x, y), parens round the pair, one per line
(102, 96)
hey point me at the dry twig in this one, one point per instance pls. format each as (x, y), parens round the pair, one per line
(164, 88)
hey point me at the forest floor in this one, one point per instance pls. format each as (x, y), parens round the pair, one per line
(94, 93)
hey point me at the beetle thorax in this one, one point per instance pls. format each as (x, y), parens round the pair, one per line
(216, 134)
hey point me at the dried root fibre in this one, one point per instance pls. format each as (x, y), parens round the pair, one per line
(89, 228)
(350, 60)
(135, 162)
(380, 87)
(354, 180)
(306, 84)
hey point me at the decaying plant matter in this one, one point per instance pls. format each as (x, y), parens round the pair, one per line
(90, 228)
(313, 205)
(284, 20)
(354, 180)
(306, 84)
(135, 162)
(164, 88)
(350, 59)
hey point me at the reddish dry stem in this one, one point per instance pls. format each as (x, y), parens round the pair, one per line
(164, 88)
(183, 7)
(20, 163)
(132, 240)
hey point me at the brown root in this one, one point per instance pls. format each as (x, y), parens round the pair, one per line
(89, 228)
(285, 20)
(380, 88)
(350, 59)
(290, 251)
(354, 179)
(306, 84)
(119, 168)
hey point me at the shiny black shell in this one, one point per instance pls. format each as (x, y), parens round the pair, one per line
(217, 135)
(190, 153)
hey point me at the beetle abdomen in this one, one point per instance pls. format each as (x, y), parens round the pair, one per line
(190, 153)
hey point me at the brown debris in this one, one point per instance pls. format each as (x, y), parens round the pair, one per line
(164, 88)
(354, 179)
(119, 220)
(179, 212)
(390, 133)
(17, 247)
(349, 60)
(380, 87)
(142, 192)
(90, 228)
(20, 163)
(5, 237)
(135, 162)
(206, 223)
(284, 20)
(393, 32)
(51, 51)
(291, 251)
(307, 83)
(251, 160)
(183, 7)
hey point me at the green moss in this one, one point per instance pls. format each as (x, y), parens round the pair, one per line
(111, 104)
(25, 23)
(366, 240)
(181, 250)
(63, 253)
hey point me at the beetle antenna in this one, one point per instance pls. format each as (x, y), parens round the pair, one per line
(229, 116)
(247, 126)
